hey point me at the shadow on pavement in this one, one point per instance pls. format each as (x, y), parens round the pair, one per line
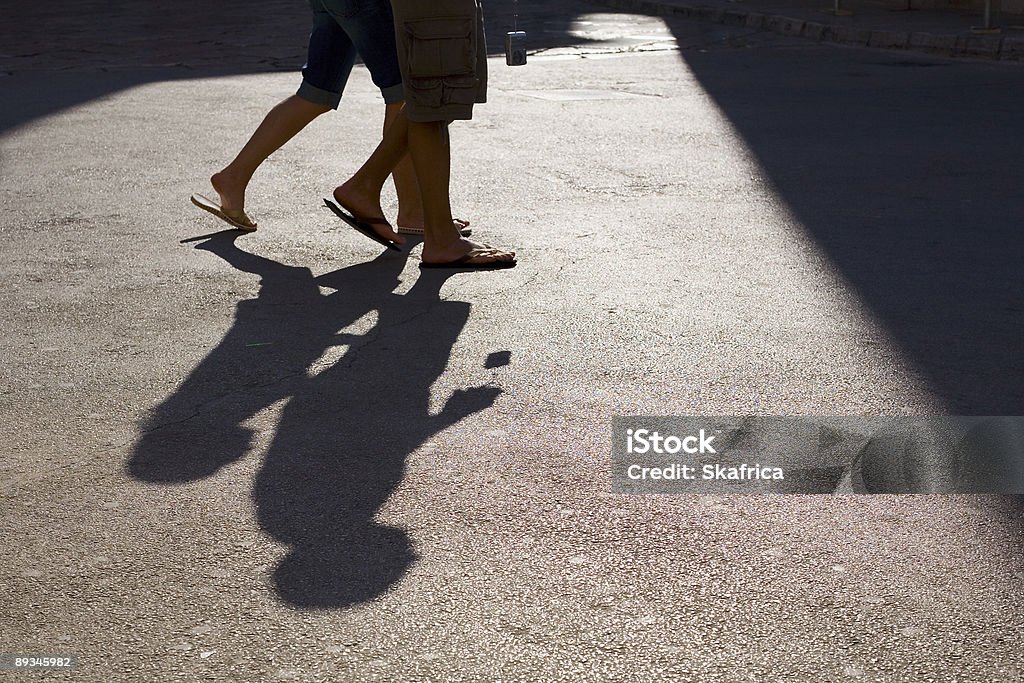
(906, 172)
(340, 447)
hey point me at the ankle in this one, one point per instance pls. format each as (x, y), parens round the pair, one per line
(228, 176)
(410, 217)
(354, 189)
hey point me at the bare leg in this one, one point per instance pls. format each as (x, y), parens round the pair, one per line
(360, 194)
(431, 156)
(278, 127)
(410, 203)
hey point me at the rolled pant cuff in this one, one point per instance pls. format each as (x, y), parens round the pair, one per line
(316, 95)
(393, 94)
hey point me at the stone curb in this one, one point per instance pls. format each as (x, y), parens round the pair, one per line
(940, 44)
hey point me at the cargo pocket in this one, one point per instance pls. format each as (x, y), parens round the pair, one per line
(425, 91)
(442, 47)
(437, 92)
(459, 89)
(442, 60)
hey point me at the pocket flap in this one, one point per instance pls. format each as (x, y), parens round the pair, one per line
(421, 83)
(460, 81)
(440, 28)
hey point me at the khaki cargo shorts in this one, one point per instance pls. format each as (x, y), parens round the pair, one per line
(442, 56)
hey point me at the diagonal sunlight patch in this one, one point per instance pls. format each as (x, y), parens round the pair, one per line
(636, 29)
(349, 336)
(777, 290)
(604, 34)
(913, 243)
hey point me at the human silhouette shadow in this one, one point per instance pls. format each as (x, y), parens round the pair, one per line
(339, 450)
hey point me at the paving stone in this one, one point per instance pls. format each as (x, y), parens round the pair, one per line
(935, 43)
(851, 35)
(756, 20)
(734, 18)
(813, 30)
(888, 39)
(978, 46)
(1012, 48)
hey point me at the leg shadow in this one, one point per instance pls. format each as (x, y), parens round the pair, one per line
(262, 359)
(341, 448)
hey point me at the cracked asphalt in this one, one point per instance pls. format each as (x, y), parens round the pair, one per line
(287, 456)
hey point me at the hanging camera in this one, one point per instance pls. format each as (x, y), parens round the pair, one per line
(515, 40)
(515, 48)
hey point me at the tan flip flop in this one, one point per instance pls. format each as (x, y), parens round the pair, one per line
(238, 220)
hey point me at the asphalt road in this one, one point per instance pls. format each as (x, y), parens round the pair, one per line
(286, 456)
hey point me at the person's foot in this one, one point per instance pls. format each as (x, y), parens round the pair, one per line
(231, 192)
(231, 198)
(464, 253)
(365, 206)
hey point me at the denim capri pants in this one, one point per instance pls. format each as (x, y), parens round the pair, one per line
(343, 30)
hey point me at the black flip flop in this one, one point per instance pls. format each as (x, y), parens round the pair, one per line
(365, 227)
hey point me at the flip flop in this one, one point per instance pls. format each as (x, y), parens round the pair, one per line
(363, 226)
(238, 220)
(464, 229)
(462, 262)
